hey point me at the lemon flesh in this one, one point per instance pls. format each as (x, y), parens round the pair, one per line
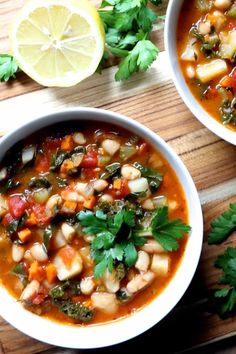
(58, 42)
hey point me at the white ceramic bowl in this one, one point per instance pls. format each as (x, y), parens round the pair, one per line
(124, 329)
(171, 23)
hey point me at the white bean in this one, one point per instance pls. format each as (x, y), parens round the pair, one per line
(68, 231)
(152, 246)
(59, 240)
(172, 205)
(28, 257)
(143, 261)
(110, 146)
(223, 4)
(17, 252)
(30, 290)
(79, 138)
(72, 196)
(52, 204)
(139, 185)
(99, 185)
(204, 27)
(38, 252)
(110, 281)
(129, 172)
(87, 285)
(148, 204)
(140, 281)
(106, 198)
(106, 302)
(190, 71)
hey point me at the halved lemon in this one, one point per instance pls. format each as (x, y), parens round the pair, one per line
(58, 42)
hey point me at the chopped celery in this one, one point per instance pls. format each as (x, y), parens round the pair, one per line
(126, 152)
(41, 195)
(232, 12)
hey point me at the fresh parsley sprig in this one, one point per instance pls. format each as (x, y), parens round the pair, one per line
(8, 67)
(128, 24)
(223, 226)
(114, 239)
(223, 299)
(117, 237)
(165, 231)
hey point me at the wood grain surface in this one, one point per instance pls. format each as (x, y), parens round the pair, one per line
(151, 99)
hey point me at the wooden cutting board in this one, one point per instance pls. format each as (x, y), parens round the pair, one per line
(151, 99)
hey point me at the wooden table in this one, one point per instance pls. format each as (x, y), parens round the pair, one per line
(151, 99)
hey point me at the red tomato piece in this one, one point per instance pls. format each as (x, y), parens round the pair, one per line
(52, 143)
(37, 299)
(17, 205)
(122, 192)
(40, 214)
(7, 219)
(42, 163)
(90, 160)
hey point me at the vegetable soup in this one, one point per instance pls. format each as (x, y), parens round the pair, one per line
(93, 223)
(206, 42)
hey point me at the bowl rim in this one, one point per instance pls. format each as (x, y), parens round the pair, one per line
(172, 16)
(121, 330)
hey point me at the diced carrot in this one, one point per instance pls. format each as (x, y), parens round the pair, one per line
(226, 81)
(25, 235)
(36, 272)
(32, 220)
(117, 183)
(69, 205)
(90, 202)
(51, 273)
(212, 18)
(67, 143)
(67, 255)
(67, 166)
(79, 207)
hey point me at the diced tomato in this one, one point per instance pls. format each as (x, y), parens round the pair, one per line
(90, 160)
(17, 205)
(89, 173)
(42, 163)
(37, 299)
(122, 192)
(7, 219)
(52, 143)
(143, 149)
(67, 254)
(39, 211)
(212, 92)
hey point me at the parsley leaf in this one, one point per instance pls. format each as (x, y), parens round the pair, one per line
(223, 226)
(139, 58)
(154, 178)
(224, 299)
(114, 239)
(167, 232)
(8, 67)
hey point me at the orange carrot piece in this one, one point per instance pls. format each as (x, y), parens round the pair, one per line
(90, 203)
(51, 273)
(32, 220)
(69, 205)
(25, 235)
(36, 272)
(67, 166)
(117, 183)
(67, 143)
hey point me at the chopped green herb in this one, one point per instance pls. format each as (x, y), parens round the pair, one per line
(111, 170)
(62, 182)
(223, 226)
(38, 182)
(8, 67)
(57, 159)
(154, 178)
(47, 235)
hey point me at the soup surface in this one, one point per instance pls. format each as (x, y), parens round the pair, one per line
(92, 223)
(206, 42)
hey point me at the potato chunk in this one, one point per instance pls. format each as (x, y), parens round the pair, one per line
(207, 72)
(160, 264)
(68, 263)
(105, 302)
